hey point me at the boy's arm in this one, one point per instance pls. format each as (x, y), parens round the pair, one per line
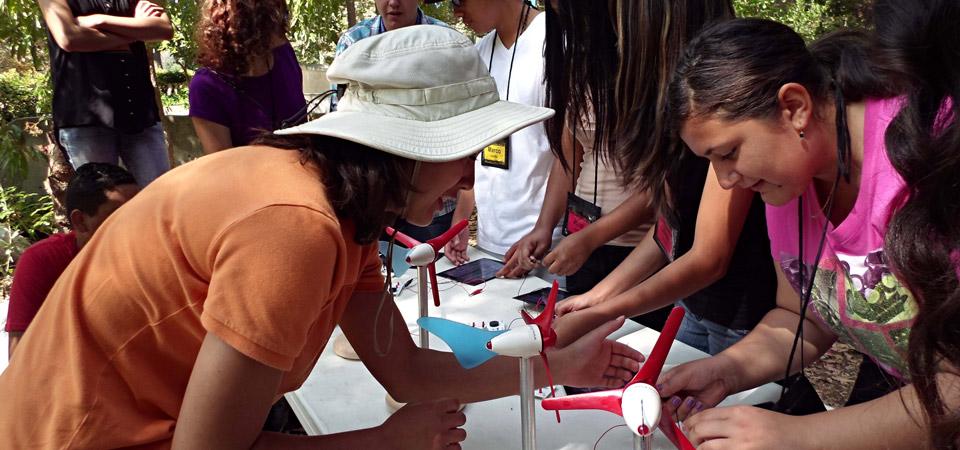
(149, 23)
(73, 37)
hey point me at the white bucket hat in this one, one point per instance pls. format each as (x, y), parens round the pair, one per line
(420, 92)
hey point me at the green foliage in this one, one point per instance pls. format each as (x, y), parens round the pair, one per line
(15, 156)
(810, 18)
(315, 26)
(171, 77)
(184, 15)
(24, 94)
(27, 214)
(24, 218)
(177, 95)
(21, 28)
(173, 85)
(24, 100)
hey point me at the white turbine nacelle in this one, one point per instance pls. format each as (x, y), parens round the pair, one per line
(421, 255)
(520, 342)
(641, 408)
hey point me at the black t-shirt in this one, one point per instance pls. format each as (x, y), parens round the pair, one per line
(109, 88)
(748, 291)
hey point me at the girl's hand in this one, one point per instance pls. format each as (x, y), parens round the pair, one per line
(593, 360)
(456, 249)
(578, 302)
(570, 254)
(432, 425)
(744, 428)
(524, 255)
(694, 386)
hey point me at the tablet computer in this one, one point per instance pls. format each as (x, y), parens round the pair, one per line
(473, 272)
(539, 296)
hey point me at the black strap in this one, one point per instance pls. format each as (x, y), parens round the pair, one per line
(573, 164)
(234, 82)
(521, 26)
(806, 286)
(299, 116)
(596, 174)
(596, 160)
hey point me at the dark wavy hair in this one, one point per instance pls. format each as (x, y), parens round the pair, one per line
(618, 56)
(232, 33)
(920, 41)
(363, 185)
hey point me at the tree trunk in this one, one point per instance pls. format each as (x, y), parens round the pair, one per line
(351, 6)
(59, 173)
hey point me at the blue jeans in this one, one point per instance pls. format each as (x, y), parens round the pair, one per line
(705, 335)
(144, 154)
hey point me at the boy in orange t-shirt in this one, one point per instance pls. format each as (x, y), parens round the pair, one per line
(213, 292)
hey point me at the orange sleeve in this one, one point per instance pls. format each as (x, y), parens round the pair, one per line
(273, 273)
(371, 280)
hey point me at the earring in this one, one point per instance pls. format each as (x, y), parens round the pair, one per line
(802, 135)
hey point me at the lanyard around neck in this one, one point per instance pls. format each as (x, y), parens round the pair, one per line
(493, 46)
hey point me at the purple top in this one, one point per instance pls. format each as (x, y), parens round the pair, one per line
(250, 105)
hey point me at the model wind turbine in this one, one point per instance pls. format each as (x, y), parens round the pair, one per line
(639, 401)
(472, 347)
(423, 256)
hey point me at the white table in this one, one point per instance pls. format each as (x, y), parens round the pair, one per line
(341, 395)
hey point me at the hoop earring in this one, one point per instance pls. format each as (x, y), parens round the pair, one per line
(802, 135)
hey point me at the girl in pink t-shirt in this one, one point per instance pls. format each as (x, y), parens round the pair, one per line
(806, 128)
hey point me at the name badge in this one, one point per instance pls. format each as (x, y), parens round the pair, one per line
(497, 154)
(663, 236)
(580, 213)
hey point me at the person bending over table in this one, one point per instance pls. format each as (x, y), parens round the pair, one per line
(715, 256)
(864, 254)
(214, 291)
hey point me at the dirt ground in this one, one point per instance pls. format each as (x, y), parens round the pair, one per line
(834, 374)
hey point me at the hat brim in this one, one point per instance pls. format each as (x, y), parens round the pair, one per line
(431, 141)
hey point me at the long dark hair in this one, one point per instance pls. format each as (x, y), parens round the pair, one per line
(362, 184)
(624, 52)
(919, 39)
(232, 33)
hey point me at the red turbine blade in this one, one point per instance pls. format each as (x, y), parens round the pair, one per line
(604, 400)
(545, 320)
(654, 364)
(407, 241)
(432, 269)
(438, 242)
(673, 433)
(553, 392)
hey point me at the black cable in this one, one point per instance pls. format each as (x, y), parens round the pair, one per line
(304, 112)
(843, 171)
(493, 45)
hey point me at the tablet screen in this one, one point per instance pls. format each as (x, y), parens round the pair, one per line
(473, 272)
(539, 296)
